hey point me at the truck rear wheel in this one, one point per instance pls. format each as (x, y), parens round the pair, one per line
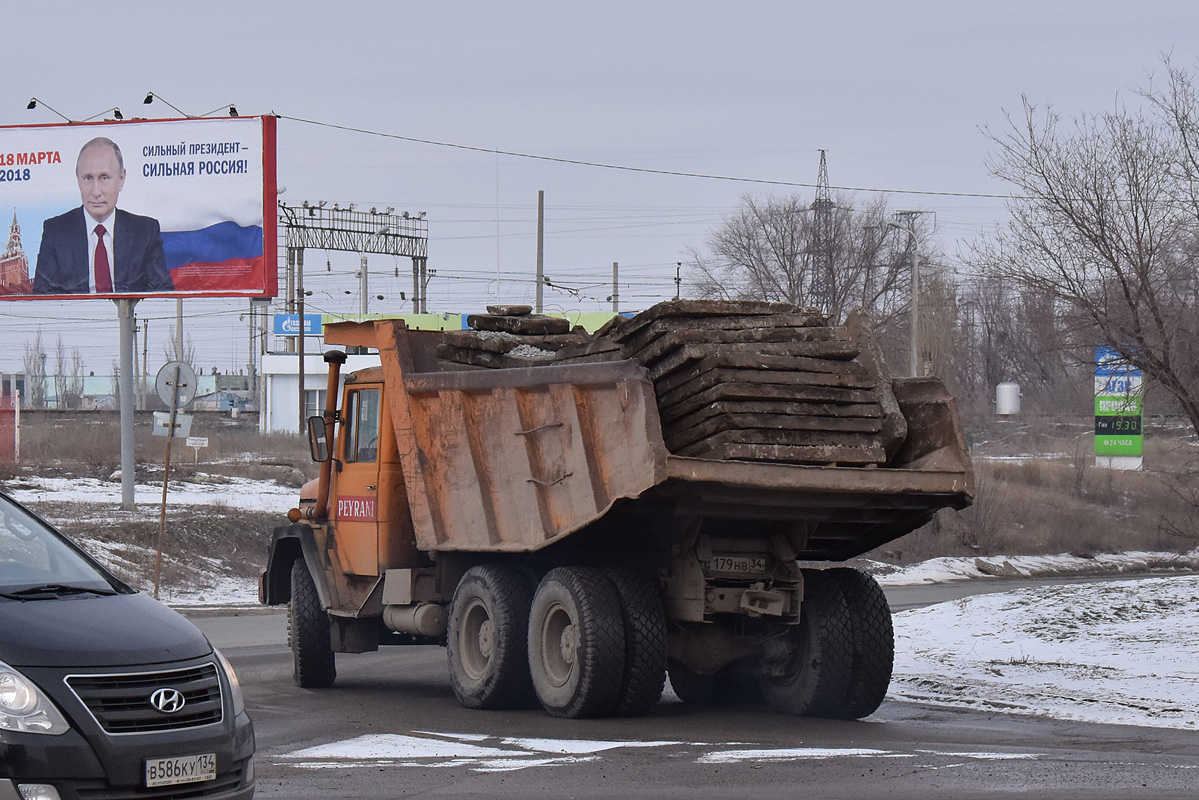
(313, 662)
(873, 642)
(815, 672)
(486, 646)
(577, 643)
(645, 642)
(693, 688)
(733, 684)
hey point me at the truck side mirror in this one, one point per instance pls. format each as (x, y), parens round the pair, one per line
(318, 440)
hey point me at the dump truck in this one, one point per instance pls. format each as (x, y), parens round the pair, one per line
(574, 516)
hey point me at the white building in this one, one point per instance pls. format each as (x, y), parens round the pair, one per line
(280, 412)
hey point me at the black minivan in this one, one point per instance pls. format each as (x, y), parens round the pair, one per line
(104, 691)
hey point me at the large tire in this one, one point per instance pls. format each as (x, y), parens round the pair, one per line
(644, 642)
(816, 674)
(576, 643)
(873, 642)
(313, 662)
(693, 688)
(486, 646)
(733, 684)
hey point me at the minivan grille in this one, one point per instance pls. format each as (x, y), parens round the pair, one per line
(120, 702)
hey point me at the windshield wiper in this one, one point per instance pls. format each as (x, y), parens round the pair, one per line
(54, 589)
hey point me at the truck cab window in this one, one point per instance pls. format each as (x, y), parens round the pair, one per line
(362, 421)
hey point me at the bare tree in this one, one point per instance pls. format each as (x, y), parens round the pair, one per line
(189, 350)
(35, 372)
(68, 376)
(1010, 333)
(60, 374)
(771, 249)
(1101, 228)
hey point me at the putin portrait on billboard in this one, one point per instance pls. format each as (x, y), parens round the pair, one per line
(167, 208)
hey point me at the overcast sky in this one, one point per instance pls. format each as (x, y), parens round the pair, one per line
(896, 93)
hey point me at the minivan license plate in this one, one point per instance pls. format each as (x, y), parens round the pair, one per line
(181, 769)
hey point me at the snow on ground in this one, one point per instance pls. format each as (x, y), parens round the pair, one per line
(98, 500)
(233, 493)
(1123, 652)
(940, 570)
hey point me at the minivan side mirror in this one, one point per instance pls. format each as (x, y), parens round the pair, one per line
(318, 439)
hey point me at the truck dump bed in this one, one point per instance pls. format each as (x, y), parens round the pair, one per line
(516, 459)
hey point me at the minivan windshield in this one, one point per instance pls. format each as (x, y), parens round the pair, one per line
(37, 563)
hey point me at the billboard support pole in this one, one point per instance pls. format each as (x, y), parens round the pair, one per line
(125, 395)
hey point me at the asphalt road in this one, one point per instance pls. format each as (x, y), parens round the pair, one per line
(391, 728)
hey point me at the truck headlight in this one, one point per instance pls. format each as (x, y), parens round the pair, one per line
(25, 708)
(239, 700)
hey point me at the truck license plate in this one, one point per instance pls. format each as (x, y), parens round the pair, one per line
(181, 769)
(737, 565)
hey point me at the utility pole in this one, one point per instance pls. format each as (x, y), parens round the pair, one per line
(137, 393)
(540, 247)
(678, 279)
(615, 287)
(301, 337)
(362, 287)
(424, 285)
(251, 372)
(145, 360)
(909, 217)
(416, 286)
(179, 329)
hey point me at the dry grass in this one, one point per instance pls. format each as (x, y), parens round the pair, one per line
(1039, 492)
(89, 443)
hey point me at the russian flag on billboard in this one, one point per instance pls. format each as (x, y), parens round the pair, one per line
(219, 256)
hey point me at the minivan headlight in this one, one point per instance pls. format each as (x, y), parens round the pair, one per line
(239, 701)
(25, 708)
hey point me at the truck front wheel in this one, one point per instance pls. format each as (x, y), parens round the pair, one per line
(486, 646)
(313, 664)
(577, 643)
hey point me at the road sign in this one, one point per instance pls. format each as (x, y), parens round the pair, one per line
(162, 425)
(176, 384)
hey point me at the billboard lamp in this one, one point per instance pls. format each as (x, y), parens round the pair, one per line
(232, 110)
(116, 113)
(33, 103)
(151, 97)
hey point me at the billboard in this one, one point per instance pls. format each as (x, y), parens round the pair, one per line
(142, 208)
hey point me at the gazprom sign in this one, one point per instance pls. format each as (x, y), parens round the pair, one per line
(289, 324)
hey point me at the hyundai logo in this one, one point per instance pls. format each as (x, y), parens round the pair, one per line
(168, 701)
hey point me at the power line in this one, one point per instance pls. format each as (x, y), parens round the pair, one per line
(644, 170)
